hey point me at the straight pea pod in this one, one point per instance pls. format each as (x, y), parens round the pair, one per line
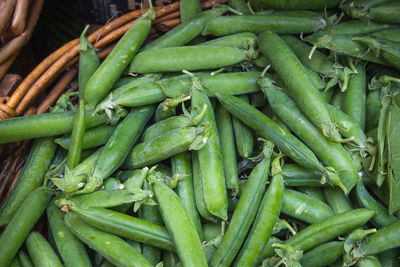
(243, 135)
(41, 252)
(323, 255)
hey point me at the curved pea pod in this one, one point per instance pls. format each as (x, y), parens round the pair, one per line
(323, 255)
(93, 137)
(382, 217)
(198, 189)
(302, 4)
(296, 80)
(256, 24)
(263, 224)
(243, 135)
(210, 159)
(112, 67)
(42, 125)
(111, 247)
(337, 200)
(186, 31)
(390, 257)
(41, 252)
(120, 143)
(225, 132)
(31, 177)
(332, 154)
(179, 225)
(22, 223)
(245, 212)
(284, 140)
(245, 40)
(127, 226)
(329, 228)
(190, 58)
(71, 250)
(165, 146)
(354, 98)
(182, 170)
(304, 207)
(164, 126)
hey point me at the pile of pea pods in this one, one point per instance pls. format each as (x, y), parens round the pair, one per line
(264, 133)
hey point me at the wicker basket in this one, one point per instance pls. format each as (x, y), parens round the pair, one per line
(60, 68)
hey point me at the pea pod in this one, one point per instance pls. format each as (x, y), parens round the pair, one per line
(22, 223)
(391, 34)
(276, 4)
(245, 40)
(71, 250)
(167, 109)
(159, 128)
(93, 137)
(390, 257)
(243, 135)
(312, 191)
(292, 171)
(225, 132)
(285, 141)
(268, 250)
(227, 25)
(263, 224)
(112, 67)
(190, 58)
(113, 248)
(164, 146)
(41, 252)
(304, 207)
(383, 13)
(31, 177)
(42, 125)
(296, 80)
(337, 200)
(78, 131)
(24, 259)
(371, 261)
(245, 212)
(332, 154)
(329, 228)
(210, 159)
(373, 109)
(323, 255)
(189, 9)
(182, 169)
(179, 225)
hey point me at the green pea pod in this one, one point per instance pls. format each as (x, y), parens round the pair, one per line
(179, 225)
(329, 228)
(93, 137)
(245, 212)
(159, 128)
(134, 177)
(285, 141)
(312, 191)
(337, 200)
(305, 208)
(327, 95)
(225, 132)
(292, 171)
(127, 226)
(170, 259)
(240, 6)
(382, 218)
(186, 31)
(332, 154)
(189, 9)
(276, 4)
(210, 159)
(256, 24)
(384, 13)
(71, 250)
(42, 125)
(263, 224)
(182, 170)
(111, 247)
(15, 263)
(115, 63)
(391, 34)
(373, 109)
(192, 58)
(164, 146)
(167, 109)
(390, 257)
(120, 143)
(198, 189)
(22, 223)
(354, 98)
(371, 261)
(243, 135)
(24, 259)
(323, 255)
(88, 61)
(31, 177)
(78, 131)
(296, 80)
(268, 250)
(245, 40)
(337, 100)
(41, 252)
